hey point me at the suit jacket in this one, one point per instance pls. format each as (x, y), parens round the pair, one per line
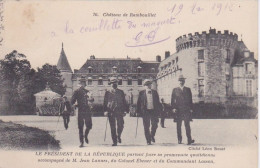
(62, 107)
(182, 101)
(114, 102)
(142, 103)
(81, 96)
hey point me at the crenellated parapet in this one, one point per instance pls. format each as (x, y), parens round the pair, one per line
(213, 38)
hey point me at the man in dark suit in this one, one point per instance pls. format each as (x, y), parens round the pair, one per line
(115, 108)
(65, 110)
(83, 96)
(164, 113)
(149, 107)
(181, 103)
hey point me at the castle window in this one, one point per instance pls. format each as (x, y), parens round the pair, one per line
(194, 43)
(89, 81)
(211, 41)
(90, 69)
(201, 54)
(120, 81)
(228, 56)
(249, 88)
(114, 69)
(249, 68)
(177, 59)
(198, 43)
(140, 82)
(201, 69)
(227, 68)
(201, 88)
(129, 81)
(139, 69)
(100, 81)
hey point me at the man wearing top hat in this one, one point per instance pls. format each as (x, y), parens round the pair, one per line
(65, 110)
(181, 102)
(115, 108)
(149, 107)
(83, 96)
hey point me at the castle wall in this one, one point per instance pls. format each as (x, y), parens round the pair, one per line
(210, 77)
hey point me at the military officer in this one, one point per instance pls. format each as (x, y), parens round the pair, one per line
(115, 108)
(83, 96)
(181, 102)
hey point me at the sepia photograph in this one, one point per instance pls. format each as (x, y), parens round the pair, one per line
(129, 83)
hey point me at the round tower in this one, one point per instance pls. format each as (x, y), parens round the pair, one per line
(211, 55)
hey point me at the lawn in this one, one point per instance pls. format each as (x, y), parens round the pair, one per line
(20, 137)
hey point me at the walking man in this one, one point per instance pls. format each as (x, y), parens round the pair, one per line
(149, 107)
(65, 110)
(115, 108)
(83, 96)
(181, 102)
(164, 113)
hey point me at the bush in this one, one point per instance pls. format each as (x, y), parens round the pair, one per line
(218, 110)
(49, 110)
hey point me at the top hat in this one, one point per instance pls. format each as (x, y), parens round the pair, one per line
(113, 80)
(147, 82)
(82, 79)
(181, 77)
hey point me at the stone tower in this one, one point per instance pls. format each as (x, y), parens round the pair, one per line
(66, 72)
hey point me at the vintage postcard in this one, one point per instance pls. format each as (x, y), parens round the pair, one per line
(129, 83)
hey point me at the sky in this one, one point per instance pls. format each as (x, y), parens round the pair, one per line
(38, 28)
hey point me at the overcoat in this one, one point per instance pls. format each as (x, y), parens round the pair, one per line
(181, 100)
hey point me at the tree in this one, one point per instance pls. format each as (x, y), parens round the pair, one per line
(51, 75)
(14, 69)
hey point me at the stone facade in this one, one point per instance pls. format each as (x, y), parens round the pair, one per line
(214, 64)
(97, 71)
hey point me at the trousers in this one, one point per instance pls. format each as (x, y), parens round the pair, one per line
(84, 118)
(187, 127)
(66, 120)
(117, 125)
(150, 118)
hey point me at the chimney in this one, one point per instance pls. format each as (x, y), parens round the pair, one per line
(158, 58)
(167, 54)
(92, 57)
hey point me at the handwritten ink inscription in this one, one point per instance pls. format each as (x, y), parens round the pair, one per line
(148, 32)
(145, 39)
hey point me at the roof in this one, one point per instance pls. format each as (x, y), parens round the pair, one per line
(63, 63)
(128, 65)
(246, 59)
(47, 92)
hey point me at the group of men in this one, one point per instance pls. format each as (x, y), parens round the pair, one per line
(115, 108)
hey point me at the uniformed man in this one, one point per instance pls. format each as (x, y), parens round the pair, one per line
(181, 103)
(83, 96)
(149, 107)
(65, 110)
(115, 108)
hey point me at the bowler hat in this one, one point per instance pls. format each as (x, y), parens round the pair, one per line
(181, 77)
(113, 80)
(147, 82)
